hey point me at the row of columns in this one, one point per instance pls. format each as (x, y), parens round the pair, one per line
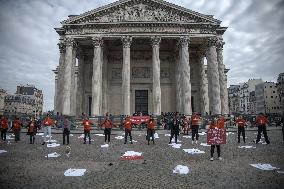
(66, 95)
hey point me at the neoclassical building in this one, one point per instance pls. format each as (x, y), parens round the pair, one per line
(141, 55)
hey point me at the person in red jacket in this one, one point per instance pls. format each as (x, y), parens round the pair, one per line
(107, 124)
(32, 130)
(241, 123)
(216, 124)
(261, 122)
(4, 124)
(16, 127)
(87, 129)
(128, 127)
(151, 129)
(47, 123)
(195, 122)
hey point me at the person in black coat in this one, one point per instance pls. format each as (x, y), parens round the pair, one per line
(174, 126)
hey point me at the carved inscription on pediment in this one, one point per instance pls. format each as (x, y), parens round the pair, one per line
(141, 72)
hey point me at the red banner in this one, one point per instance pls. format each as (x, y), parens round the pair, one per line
(139, 119)
(216, 136)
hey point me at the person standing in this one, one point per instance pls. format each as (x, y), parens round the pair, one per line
(47, 123)
(261, 122)
(66, 126)
(4, 124)
(278, 124)
(128, 128)
(16, 127)
(32, 130)
(151, 129)
(174, 125)
(87, 129)
(241, 123)
(216, 124)
(107, 124)
(195, 122)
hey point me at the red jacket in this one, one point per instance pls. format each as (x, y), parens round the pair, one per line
(151, 124)
(241, 122)
(128, 124)
(221, 122)
(87, 124)
(4, 124)
(261, 120)
(17, 125)
(195, 120)
(107, 124)
(47, 121)
(32, 127)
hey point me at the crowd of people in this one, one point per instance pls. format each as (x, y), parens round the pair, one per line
(175, 122)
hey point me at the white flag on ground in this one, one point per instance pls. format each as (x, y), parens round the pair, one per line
(180, 169)
(119, 137)
(52, 145)
(174, 145)
(193, 151)
(3, 151)
(54, 154)
(247, 147)
(265, 167)
(105, 146)
(74, 172)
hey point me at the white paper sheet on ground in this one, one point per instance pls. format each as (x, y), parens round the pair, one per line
(2, 151)
(74, 172)
(134, 141)
(156, 135)
(119, 137)
(281, 172)
(9, 137)
(174, 145)
(52, 145)
(54, 154)
(186, 136)
(193, 151)
(204, 144)
(53, 141)
(81, 136)
(173, 140)
(265, 167)
(262, 142)
(47, 136)
(202, 133)
(40, 134)
(167, 134)
(71, 135)
(230, 133)
(180, 169)
(247, 147)
(105, 146)
(99, 134)
(132, 153)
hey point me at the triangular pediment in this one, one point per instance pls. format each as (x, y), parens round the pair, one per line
(140, 11)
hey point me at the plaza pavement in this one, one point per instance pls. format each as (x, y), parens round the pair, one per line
(24, 165)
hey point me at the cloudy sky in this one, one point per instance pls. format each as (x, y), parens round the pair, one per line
(28, 43)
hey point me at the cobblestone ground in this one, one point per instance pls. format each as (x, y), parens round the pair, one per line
(25, 165)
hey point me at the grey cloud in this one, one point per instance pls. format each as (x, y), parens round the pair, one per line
(29, 52)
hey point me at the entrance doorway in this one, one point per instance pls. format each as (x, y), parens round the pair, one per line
(141, 101)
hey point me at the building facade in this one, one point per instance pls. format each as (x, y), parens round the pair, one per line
(267, 98)
(141, 55)
(280, 90)
(234, 98)
(3, 94)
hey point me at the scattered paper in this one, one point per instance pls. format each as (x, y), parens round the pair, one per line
(52, 145)
(74, 172)
(134, 141)
(41, 134)
(247, 147)
(230, 133)
(53, 155)
(281, 172)
(47, 136)
(156, 135)
(180, 169)
(265, 167)
(186, 136)
(202, 133)
(105, 146)
(2, 151)
(53, 141)
(193, 151)
(167, 134)
(204, 144)
(174, 145)
(82, 137)
(132, 153)
(119, 137)
(71, 135)
(99, 134)
(9, 137)
(173, 140)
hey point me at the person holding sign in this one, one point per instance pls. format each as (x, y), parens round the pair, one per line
(128, 127)
(261, 122)
(241, 123)
(216, 135)
(87, 129)
(151, 129)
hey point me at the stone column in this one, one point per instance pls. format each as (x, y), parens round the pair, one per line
(185, 76)
(213, 77)
(105, 83)
(126, 42)
(204, 99)
(97, 76)
(68, 78)
(80, 83)
(56, 92)
(178, 80)
(222, 79)
(60, 76)
(156, 75)
(74, 82)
